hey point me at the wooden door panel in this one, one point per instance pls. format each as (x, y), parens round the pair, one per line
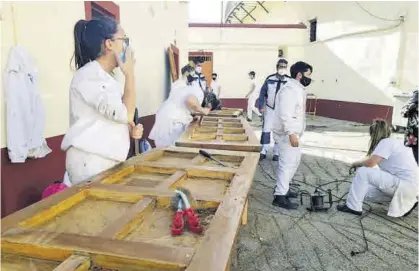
(220, 133)
(10, 262)
(227, 112)
(121, 218)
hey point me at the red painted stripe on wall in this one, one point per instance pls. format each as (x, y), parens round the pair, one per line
(23, 184)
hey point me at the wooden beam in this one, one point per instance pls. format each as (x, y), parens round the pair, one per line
(62, 245)
(163, 196)
(74, 263)
(14, 219)
(244, 215)
(121, 227)
(214, 253)
(166, 184)
(53, 211)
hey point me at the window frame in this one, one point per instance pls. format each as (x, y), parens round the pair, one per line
(106, 8)
(313, 30)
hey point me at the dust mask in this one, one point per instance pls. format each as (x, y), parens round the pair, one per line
(282, 71)
(198, 69)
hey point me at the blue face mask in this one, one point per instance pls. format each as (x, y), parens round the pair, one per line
(122, 55)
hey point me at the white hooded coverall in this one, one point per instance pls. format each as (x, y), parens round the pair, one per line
(396, 176)
(98, 137)
(173, 116)
(289, 118)
(269, 93)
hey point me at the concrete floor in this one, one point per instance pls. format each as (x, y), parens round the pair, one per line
(277, 239)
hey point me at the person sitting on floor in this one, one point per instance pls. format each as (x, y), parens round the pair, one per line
(389, 170)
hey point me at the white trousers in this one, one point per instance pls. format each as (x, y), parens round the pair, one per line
(268, 120)
(251, 107)
(289, 160)
(163, 141)
(373, 183)
(81, 165)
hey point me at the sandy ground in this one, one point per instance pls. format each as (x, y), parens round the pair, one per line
(277, 239)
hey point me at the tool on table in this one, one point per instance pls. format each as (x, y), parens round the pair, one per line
(181, 203)
(209, 156)
(317, 200)
(192, 218)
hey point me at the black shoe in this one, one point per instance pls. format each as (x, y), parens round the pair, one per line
(291, 194)
(262, 156)
(408, 213)
(275, 158)
(284, 202)
(249, 120)
(346, 209)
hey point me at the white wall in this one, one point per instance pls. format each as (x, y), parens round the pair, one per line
(236, 51)
(45, 29)
(153, 26)
(357, 68)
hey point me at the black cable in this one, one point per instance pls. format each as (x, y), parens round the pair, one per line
(370, 211)
(375, 16)
(353, 253)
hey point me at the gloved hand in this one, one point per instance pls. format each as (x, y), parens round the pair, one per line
(352, 170)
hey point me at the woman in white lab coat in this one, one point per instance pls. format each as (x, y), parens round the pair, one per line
(389, 171)
(101, 109)
(174, 115)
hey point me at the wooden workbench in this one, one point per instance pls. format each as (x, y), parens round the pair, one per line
(121, 218)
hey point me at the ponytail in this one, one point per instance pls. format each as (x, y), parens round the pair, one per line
(89, 37)
(80, 59)
(379, 130)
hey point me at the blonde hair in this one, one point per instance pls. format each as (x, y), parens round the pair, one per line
(379, 129)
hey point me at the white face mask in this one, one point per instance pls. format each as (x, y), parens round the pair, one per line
(198, 69)
(282, 71)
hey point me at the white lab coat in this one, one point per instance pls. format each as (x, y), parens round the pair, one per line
(395, 177)
(25, 109)
(289, 118)
(251, 101)
(173, 116)
(290, 109)
(98, 137)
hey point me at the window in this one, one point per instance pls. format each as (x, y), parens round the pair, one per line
(97, 9)
(313, 30)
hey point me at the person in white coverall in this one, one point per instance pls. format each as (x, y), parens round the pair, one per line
(101, 108)
(252, 96)
(267, 104)
(174, 115)
(388, 173)
(288, 128)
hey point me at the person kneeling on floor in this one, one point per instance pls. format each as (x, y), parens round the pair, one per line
(389, 170)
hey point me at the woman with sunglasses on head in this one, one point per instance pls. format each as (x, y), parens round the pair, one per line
(101, 108)
(389, 171)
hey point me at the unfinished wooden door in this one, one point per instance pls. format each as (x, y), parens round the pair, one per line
(221, 133)
(121, 218)
(226, 112)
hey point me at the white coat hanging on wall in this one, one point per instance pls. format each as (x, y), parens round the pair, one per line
(25, 110)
